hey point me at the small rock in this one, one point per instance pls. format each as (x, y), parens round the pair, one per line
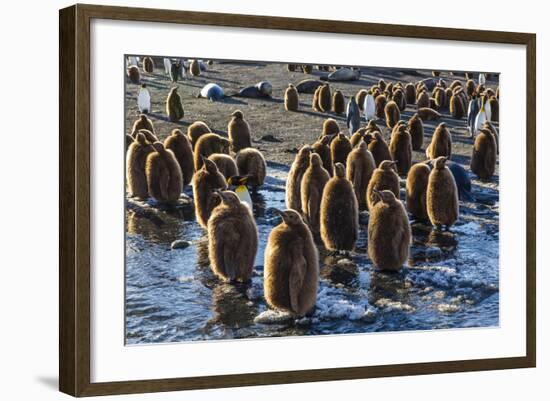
(269, 138)
(291, 150)
(180, 244)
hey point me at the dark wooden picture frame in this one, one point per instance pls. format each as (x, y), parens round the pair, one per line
(74, 202)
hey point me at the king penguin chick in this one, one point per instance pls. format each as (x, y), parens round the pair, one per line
(441, 144)
(442, 195)
(322, 148)
(379, 148)
(311, 188)
(143, 123)
(209, 144)
(174, 106)
(416, 129)
(330, 127)
(359, 168)
(338, 102)
(292, 101)
(164, 179)
(205, 181)
(225, 163)
(417, 185)
(136, 158)
(196, 130)
(340, 148)
(401, 149)
(238, 132)
(178, 143)
(339, 212)
(251, 163)
(291, 266)
(484, 154)
(232, 239)
(389, 232)
(384, 177)
(294, 179)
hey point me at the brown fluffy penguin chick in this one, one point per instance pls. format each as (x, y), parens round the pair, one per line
(339, 212)
(399, 98)
(151, 138)
(196, 130)
(307, 68)
(470, 87)
(324, 98)
(330, 127)
(416, 129)
(442, 195)
(484, 154)
(174, 106)
(338, 102)
(493, 103)
(322, 148)
(456, 107)
(209, 144)
(401, 149)
(148, 65)
(391, 111)
(410, 93)
(251, 163)
(359, 168)
(133, 74)
(389, 232)
(384, 177)
(340, 148)
(311, 188)
(359, 136)
(417, 184)
(294, 179)
(315, 102)
(225, 163)
(360, 98)
(143, 122)
(128, 141)
(238, 131)
(136, 158)
(380, 105)
(205, 181)
(292, 101)
(439, 96)
(179, 144)
(232, 239)
(379, 148)
(164, 179)
(195, 68)
(372, 127)
(491, 127)
(423, 100)
(428, 114)
(441, 144)
(291, 266)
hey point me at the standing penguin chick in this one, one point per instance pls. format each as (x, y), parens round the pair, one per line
(148, 65)
(384, 177)
(401, 149)
(311, 188)
(324, 98)
(195, 68)
(417, 185)
(360, 98)
(291, 98)
(251, 163)
(164, 179)
(232, 239)
(380, 105)
(340, 148)
(178, 143)
(209, 144)
(238, 131)
(391, 111)
(353, 116)
(291, 266)
(196, 130)
(338, 102)
(416, 129)
(143, 123)
(442, 195)
(339, 212)
(322, 148)
(133, 74)
(493, 104)
(410, 93)
(136, 158)
(484, 154)
(379, 148)
(225, 163)
(294, 180)
(315, 102)
(389, 232)
(205, 181)
(456, 107)
(359, 168)
(174, 107)
(441, 144)
(330, 127)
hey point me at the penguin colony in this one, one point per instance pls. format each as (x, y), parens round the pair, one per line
(329, 183)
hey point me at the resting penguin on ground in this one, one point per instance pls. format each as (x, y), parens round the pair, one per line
(211, 92)
(324, 98)
(232, 239)
(178, 143)
(417, 184)
(441, 144)
(389, 232)
(174, 106)
(416, 129)
(262, 90)
(392, 114)
(164, 179)
(353, 116)
(207, 145)
(148, 65)
(144, 100)
(338, 102)
(428, 114)
(484, 155)
(322, 148)
(294, 180)
(133, 74)
(196, 130)
(308, 86)
(401, 149)
(136, 158)
(225, 163)
(330, 127)
(359, 168)
(291, 266)
(442, 195)
(205, 181)
(238, 131)
(311, 191)
(292, 101)
(251, 163)
(340, 148)
(343, 74)
(143, 123)
(384, 177)
(339, 213)
(379, 148)
(380, 104)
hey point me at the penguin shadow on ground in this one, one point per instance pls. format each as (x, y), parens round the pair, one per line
(232, 308)
(165, 118)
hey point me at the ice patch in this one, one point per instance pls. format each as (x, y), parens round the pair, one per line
(273, 317)
(389, 305)
(447, 308)
(332, 305)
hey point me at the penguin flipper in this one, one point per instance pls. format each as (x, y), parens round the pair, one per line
(297, 275)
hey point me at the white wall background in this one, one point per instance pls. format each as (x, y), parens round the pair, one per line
(29, 185)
